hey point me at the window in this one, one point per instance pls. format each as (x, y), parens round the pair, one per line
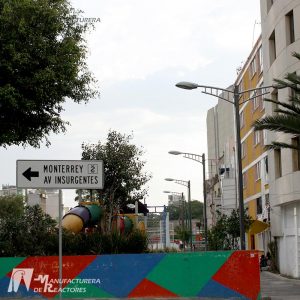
(240, 86)
(252, 68)
(266, 163)
(242, 119)
(274, 97)
(290, 28)
(268, 207)
(258, 206)
(272, 47)
(256, 100)
(260, 59)
(256, 137)
(244, 180)
(252, 242)
(257, 171)
(265, 138)
(296, 154)
(278, 166)
(260, 96)
(243, 150)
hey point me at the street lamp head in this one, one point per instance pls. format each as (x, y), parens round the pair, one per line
(167, 192)
(130, 205)
(175, 152)
(187, 85)
(169, 179)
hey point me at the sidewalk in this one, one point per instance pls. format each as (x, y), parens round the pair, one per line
(276, 287)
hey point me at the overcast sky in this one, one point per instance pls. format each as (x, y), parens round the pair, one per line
(138, 52)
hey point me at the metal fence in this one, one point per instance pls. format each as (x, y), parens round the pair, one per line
(160, 231)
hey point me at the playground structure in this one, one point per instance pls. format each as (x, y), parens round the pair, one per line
(86, 214)
(89, 214)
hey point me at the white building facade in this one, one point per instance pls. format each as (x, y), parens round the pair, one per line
(221, 161)
(280, 22)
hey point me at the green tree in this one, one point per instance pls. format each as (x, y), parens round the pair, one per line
(217, 235)
(183, 234)
(11, 206)
(224, 235)
(176, 211)
(25, 230)
(37, 233)
(287, 119)
(197, 209)
(42, 63)
(123, 169)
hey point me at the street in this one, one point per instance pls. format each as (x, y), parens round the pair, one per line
(277, 287)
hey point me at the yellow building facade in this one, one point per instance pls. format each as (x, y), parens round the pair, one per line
(254, 155)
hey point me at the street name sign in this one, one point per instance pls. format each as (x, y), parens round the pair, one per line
(60, 174)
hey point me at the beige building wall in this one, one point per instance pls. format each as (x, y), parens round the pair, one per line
(284, 179)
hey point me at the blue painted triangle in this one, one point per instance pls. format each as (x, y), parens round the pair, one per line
(120, 274)
(217, 290)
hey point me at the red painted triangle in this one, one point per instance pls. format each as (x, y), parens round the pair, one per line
(241, 273)
(147, 288)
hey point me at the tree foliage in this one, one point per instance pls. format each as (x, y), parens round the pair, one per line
(28, 231)
(181, 210)
(183, 233)
(25, 230)
(123, 169)
(11, 206)
(42, 63)
(225, 233)
(287, 119)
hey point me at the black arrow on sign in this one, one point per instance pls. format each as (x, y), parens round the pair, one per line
(28, 174)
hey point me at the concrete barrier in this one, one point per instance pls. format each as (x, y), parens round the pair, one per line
(222, 274)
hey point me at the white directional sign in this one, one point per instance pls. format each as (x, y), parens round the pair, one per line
(60, 174)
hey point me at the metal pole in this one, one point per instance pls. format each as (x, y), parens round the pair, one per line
(235, 181)
(190, 214)
(204, 201)
(60, 242)
(182, 212)
(164, 227)
(239, 163)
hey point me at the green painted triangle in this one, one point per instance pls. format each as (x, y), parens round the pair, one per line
(186, 273)
(259, 296)
(83, 290)
(8, 263)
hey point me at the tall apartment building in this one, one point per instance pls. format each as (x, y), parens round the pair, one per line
(254, 155)
(280, 38)
(221, 182)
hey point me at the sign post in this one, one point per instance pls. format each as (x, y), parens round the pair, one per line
(60, 174)
(60, 262)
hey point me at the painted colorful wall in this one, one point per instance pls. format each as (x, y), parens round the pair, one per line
(223, 274)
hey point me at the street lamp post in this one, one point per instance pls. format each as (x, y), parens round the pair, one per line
(188, 185)
(200, 159)
(237, 95)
